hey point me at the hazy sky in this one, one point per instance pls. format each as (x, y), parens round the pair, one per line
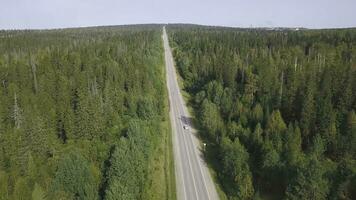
(21, 14)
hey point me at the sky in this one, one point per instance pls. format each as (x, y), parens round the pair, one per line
(44, 14)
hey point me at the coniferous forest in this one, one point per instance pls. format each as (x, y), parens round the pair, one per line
(276, 108)
(79, 114)
(84, 111)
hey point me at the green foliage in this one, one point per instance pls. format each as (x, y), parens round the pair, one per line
(275, 130)
(257, 113)
(271, 156)
(127, 172)
(248, 84)
(293, 146)
(4, 193)
(236, 169)
(22, 190)
(275, 124)
(211, 119)
(74, 177)
(67, 97)
(309, 182)
(38, 193)
(318, 147)
(351, 133)
(345, 180)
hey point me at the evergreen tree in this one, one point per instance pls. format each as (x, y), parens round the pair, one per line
(308, 114)
(74, 177)
(309, 182)
(243, 80)
(236, 169)
(211, 119)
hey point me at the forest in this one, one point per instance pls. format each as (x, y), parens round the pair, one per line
(79, 114)
(276, 108)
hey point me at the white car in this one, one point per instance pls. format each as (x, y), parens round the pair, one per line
(185, 127)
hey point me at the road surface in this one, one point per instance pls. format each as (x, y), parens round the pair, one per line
(192, 176)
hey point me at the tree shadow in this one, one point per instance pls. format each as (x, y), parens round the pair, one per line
(187, 120)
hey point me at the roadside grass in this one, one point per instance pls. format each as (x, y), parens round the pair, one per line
(169, 167)
(161, 182)
(169, 156)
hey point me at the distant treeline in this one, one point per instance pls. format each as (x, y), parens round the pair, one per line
(276, 107)
(79, 113)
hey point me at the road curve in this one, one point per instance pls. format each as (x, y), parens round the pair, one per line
(192, 176)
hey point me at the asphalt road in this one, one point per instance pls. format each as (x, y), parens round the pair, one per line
(192, 176)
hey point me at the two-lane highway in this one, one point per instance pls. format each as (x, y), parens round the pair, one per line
(192, 175)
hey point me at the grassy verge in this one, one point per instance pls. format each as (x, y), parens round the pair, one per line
(162, 184)
(170, 172)
(161, 169)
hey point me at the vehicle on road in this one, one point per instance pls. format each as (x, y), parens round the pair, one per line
(193, 178)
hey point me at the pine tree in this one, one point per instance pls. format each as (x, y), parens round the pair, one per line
(74, 177)
(211, 119)
(309, 182)
(236, 168)
(257, 113)
(293, 144)
(308, 114)
(351, 133)
(275, 130)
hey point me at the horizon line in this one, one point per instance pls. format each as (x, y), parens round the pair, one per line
(175, 23)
